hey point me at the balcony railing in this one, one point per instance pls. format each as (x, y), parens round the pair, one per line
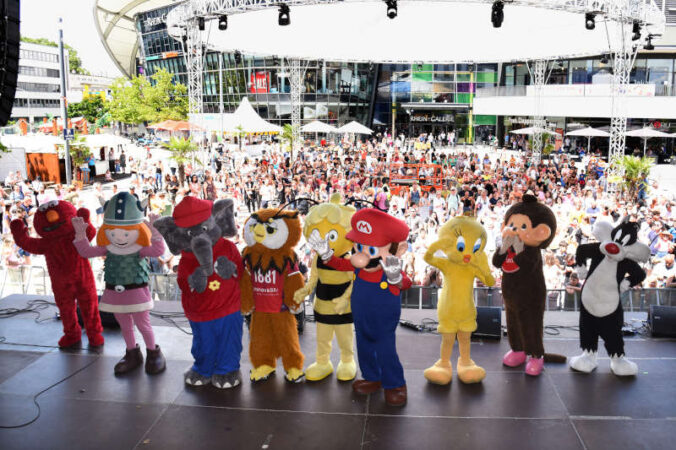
(35, 280)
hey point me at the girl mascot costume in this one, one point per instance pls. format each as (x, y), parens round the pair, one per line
(126, 240)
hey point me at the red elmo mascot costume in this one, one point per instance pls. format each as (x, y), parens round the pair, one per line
(71, 274)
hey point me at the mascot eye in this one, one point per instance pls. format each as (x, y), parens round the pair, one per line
(523, 227)
(53, 204)
(618, 233)
(460, 244)
(477, 245)
(373, 251)
(332, 235)
(204, 228)
(270, 230)
(626, 240)
(43, 207)
(360, 248)
(190, 233)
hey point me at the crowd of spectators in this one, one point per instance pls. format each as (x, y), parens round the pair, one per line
(421, 183)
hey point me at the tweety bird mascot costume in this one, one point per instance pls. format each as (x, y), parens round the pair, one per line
(459, 255)
(333, 289)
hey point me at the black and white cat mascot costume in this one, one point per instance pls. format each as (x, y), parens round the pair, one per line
(614, 269)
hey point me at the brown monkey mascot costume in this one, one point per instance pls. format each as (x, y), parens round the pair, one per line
(527, 229)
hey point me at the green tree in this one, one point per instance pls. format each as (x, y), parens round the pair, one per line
(91, 108)
(74, 61)
(183, 151)
(636, 171)
(140, 99)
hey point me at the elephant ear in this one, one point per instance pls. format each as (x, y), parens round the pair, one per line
(224, 216)
(175, 237)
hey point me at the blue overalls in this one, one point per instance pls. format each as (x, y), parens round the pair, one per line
(376, 313)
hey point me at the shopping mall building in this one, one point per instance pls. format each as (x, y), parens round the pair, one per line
(474, 100)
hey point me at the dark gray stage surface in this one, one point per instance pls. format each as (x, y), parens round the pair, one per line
(93, 409)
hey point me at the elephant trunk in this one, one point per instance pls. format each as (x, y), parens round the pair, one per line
(202, 249)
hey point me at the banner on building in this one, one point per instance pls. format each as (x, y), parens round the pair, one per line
(260, 82)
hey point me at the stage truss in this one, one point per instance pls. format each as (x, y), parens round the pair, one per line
(182, 23)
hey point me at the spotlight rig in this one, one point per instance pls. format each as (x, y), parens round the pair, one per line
(200, 23)
(284, 15)
(636, 29)
(590, 21)
(497, 14)
(223, 22)
(649, 45)
(391, 8)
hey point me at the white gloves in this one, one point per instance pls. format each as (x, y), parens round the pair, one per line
(319, 245)
(392, 268)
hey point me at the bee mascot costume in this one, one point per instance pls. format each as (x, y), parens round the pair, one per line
(614, 270)
(333, 289)
(527, 229)
(270, 280)
(461, 243)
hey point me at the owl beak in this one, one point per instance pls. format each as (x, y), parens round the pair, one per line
(259, 233)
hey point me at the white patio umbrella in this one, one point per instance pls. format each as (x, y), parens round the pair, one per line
(355, 127)
(589, 133)
(318, 127)
(532, 130)
(647, 133)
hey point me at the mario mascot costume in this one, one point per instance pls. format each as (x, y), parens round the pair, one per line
(208, 275)
(70, 273)
(379, 242)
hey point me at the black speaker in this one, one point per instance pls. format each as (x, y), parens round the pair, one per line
(9, 56)
(662, 320)
(107, 318)
(489, 322)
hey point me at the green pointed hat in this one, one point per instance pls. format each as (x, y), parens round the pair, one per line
(123, 209)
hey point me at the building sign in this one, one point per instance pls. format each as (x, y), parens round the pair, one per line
(432, 117)
(526, 121)
(260, 82)
(166, 55)
(155, 22)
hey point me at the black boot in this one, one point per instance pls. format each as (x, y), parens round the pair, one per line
(131, 360)
(155, 362)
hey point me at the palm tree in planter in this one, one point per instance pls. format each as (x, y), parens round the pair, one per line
(183, 151)
(287, 136)
(635, 170)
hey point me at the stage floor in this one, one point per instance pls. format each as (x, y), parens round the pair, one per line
(93, 409)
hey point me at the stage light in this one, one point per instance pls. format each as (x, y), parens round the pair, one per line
(238, 57)
(284, 15)
(604, 59)
(497, 14)
(223, 22)
(649, 45)
(590, 21)
(391, 8)
(636, 29)
(200, 23)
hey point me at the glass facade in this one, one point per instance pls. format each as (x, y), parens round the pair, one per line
(336, 93)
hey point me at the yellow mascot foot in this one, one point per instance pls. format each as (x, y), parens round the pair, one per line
(318, 371)
(261, 373)
(294, 375)
(439, 373)
(346, 371)
(470, 373)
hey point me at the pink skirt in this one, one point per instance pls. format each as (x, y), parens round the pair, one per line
(133, 300)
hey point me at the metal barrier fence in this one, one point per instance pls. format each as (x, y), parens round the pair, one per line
(35, 280)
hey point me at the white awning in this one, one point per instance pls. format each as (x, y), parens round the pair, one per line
(589, 132)
(532, 130)
(245, 119)
(647, 133)
(355, 128)
(318, 127)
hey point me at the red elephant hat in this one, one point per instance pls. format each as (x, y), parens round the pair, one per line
(192, 211)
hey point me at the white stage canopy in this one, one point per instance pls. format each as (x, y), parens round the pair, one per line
(318, 127)
(430, 31)
(647, 133)
(246, 119)
(355, 128)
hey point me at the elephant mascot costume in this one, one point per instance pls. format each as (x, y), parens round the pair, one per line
(208, 276)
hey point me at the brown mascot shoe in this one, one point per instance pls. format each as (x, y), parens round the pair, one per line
(396, 396)
(130, 361)
(155, 362)
(365, 387)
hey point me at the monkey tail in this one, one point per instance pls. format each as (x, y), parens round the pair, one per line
(554, 358)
